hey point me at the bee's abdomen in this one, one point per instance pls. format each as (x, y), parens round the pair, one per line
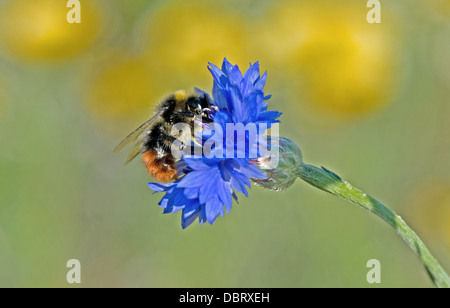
(161, 167)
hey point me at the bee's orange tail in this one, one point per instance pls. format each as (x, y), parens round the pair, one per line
(162, 168)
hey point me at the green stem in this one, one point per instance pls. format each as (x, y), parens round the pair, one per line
(332, 183)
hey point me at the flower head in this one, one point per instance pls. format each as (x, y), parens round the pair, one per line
(241, 97)
(208, 184)
(281, 171)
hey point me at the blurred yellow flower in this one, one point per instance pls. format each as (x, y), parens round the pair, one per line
(181, 37)
(442, 7)
(122, 88)
(339, 63)
(38, 30)
(176, 40)
(430, 209)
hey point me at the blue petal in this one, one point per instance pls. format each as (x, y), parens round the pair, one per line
(201, 93)
(252, 74)
(224, 195)
(187, 218)
(226, 66)
(179, 199)
(252, 106)
(196, 163)
(163, 203)
(252, 171)
(191, 193)
(225, 172)
(220, 99)
(235, 197)
(238, 182)
(232, 164)
(269, 116)
(216, 72)
(235, 76)
(160, 187)
(212, 209)
(195, 179)
(235, 99)
(167, 210)
(177, 208)
(209, 189)
(222, 118)
(261, 82)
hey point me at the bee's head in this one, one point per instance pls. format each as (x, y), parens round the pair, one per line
(200, 106)
(194, 105)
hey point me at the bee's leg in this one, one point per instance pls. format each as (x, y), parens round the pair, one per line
(168, 141)
(187, 117)
(195, 151)
(207, 109)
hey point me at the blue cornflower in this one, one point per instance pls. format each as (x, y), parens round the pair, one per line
(208, 185)
(241, 97)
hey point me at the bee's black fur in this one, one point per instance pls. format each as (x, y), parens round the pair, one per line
(155, 138)
(176, 111)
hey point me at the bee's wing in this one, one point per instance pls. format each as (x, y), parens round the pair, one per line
(136, 137)
(135, 150)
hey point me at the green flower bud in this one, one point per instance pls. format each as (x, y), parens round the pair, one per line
(281, 164)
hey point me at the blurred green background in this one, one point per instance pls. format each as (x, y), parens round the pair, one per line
(368, 101)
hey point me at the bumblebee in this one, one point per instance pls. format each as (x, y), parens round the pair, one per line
(153, 139)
